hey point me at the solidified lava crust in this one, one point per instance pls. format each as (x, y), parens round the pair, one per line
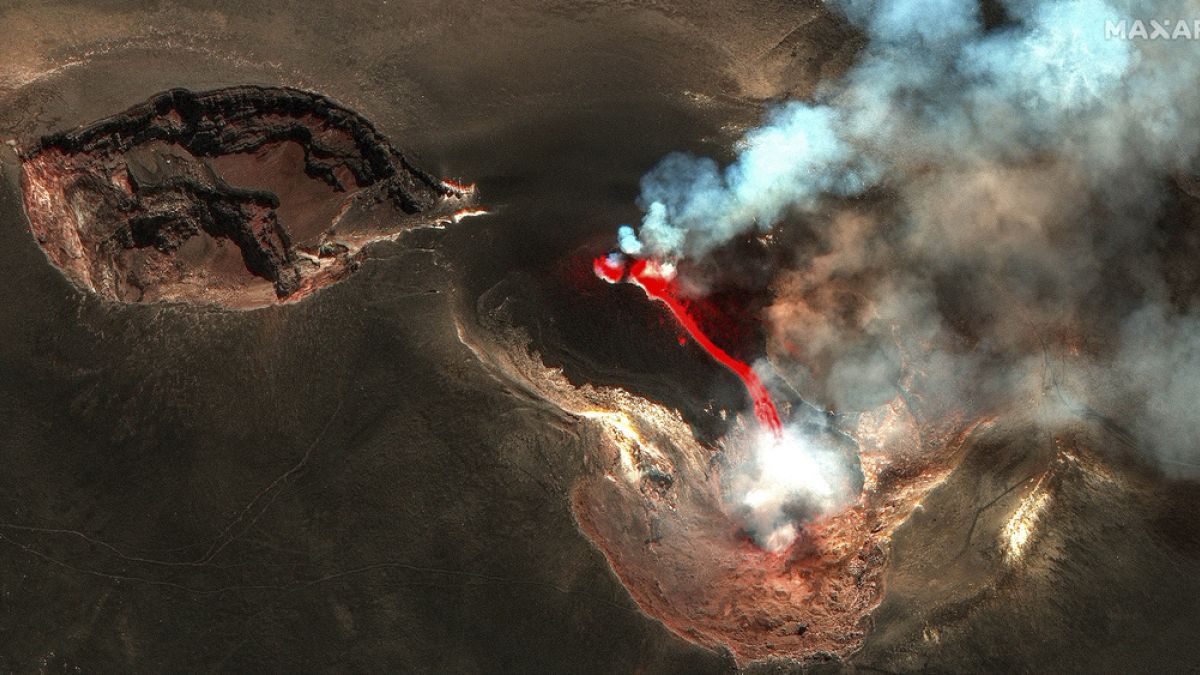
(241, 197)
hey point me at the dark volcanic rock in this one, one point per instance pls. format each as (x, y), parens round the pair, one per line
(241, 197)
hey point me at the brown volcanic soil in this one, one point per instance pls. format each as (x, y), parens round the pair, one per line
(686, 562)
(654, 501)
(238, 197)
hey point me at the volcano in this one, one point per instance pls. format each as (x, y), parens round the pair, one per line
(893, 373)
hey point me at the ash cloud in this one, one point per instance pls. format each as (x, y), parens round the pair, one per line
(1002, 184)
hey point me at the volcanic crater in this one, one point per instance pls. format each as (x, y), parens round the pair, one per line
(239, 197)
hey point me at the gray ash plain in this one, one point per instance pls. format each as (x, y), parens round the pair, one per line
(338, 485)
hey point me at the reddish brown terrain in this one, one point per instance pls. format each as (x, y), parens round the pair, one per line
(241, 197)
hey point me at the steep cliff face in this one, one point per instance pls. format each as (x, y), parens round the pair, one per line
(241, 197)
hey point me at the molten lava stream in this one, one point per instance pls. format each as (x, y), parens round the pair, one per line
(659, 287)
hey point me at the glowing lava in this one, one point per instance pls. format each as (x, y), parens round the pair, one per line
(658, 281)
(462, 214)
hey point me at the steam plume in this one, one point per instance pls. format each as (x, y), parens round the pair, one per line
(1029, 164)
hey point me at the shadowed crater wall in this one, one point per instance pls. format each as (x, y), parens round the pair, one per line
(241, 197)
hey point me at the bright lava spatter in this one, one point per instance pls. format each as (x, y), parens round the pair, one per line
(659, 285)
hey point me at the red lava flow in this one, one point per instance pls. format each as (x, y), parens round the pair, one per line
(659, 285)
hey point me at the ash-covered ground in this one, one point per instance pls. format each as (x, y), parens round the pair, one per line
(388, 476)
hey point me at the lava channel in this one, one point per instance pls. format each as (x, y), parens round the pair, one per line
(658, 281)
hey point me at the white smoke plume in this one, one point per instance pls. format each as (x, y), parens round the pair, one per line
(937, 91)
(692, 205)
(1006, 176)
(787, 480)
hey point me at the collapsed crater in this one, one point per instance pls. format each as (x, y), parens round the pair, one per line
(241, 197)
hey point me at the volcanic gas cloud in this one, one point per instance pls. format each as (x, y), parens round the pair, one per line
(985, 216)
